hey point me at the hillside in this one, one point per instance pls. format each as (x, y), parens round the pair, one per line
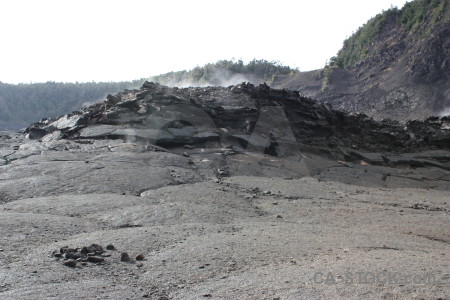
(397, 65)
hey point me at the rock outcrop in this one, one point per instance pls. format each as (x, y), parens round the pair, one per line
(257, 118)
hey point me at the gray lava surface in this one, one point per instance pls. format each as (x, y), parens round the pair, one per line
(93, 210)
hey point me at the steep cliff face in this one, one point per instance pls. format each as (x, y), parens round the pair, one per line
(391, 67)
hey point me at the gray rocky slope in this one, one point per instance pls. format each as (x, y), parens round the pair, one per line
(224, 193)
(405, 75)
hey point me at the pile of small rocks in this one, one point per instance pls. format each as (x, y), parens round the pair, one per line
(89, 254)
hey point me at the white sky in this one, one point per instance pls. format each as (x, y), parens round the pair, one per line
(112, 40)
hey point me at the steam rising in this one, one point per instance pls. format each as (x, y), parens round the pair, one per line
(219, 77)
(445, 112)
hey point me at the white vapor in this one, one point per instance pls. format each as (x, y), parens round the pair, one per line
(445, 112)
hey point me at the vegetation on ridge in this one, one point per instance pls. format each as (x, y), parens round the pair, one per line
(414, 16)
(223, 72)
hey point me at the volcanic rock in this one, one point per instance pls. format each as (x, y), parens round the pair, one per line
(254, 153)
(94, 259)
(261, 119)
(124, 256)
(140, 257)
(71, 263)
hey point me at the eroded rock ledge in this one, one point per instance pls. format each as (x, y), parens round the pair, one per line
(258, 118)
(142, 140)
